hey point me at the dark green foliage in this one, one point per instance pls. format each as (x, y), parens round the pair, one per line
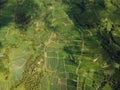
(109, 43)
(24, 12)
(2, 3)
(59, 44)
(115, 81)
(21, 12)
(83, 13)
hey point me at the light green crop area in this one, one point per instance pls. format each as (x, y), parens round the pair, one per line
(55, 45)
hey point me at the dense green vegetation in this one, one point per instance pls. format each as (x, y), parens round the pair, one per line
(59, 45)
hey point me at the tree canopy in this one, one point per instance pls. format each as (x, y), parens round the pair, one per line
(59, 44)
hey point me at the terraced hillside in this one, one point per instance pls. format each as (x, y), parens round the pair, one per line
(59, 45)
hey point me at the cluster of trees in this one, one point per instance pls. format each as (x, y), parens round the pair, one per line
(100, 14)
(102, 17)
(21, 12)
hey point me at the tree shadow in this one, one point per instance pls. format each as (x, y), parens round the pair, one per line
(21, 13)
(116, 79)
(2, 3)
(24, 13)
(4, 20)
(83, 12)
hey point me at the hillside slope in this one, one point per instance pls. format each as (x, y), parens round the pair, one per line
(59, 45)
